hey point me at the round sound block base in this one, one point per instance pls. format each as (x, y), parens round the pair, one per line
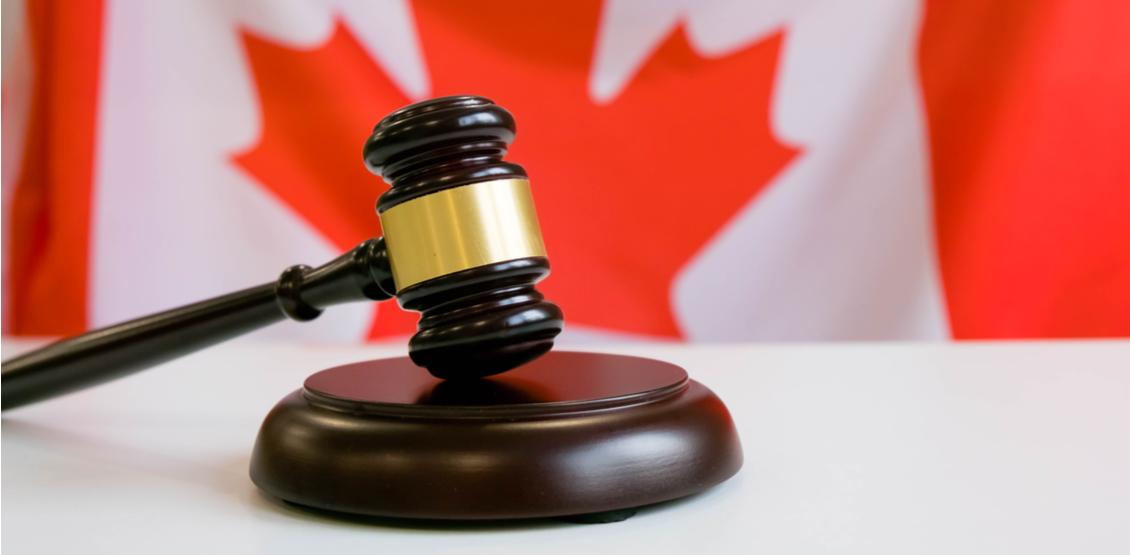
(585, 436)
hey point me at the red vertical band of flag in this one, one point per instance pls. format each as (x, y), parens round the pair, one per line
(51, 204)
(1029, 115)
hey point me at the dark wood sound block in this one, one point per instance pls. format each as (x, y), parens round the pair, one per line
(570, 434)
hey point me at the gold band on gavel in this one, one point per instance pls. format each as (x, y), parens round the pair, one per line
(460, 228)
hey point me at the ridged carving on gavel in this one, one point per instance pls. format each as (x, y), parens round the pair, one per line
(463, 239)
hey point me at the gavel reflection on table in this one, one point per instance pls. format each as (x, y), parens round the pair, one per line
(584, 436)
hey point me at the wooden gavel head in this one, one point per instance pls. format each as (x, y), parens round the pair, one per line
(462, 236)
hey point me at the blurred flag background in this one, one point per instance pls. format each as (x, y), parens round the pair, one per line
(703, 170)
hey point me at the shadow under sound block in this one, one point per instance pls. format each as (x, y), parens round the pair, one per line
(583, 436)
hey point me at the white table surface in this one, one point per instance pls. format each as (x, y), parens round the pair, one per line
(856, 448)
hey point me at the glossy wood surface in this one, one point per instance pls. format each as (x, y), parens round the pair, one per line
(484, 320)
(438, 144)
(568, 434)
(563, 378)
(104, 354)
(477, 322)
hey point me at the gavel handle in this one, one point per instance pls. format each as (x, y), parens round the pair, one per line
(104, 354)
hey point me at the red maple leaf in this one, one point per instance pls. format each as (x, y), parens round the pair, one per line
(627, 192)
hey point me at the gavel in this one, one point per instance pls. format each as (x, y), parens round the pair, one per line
(461, 246)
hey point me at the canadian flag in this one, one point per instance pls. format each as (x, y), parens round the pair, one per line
(704, 170)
